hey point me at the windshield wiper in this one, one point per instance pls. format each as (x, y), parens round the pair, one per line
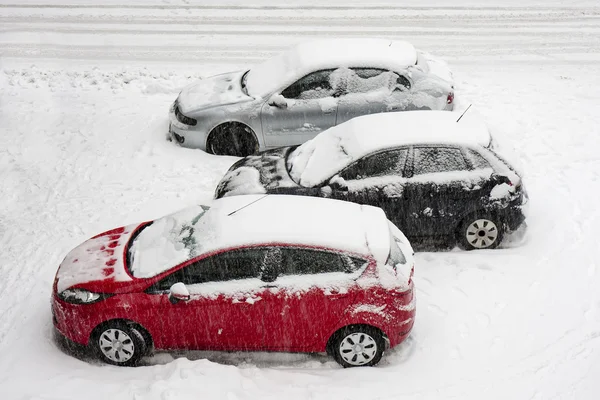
(244, 77)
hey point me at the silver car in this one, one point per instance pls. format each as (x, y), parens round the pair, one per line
(290, 98)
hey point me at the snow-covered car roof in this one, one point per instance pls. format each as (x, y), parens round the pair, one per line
(316, 55)
(259, 219)
(336, 148)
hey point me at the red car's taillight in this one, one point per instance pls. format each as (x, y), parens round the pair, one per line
(450, 98)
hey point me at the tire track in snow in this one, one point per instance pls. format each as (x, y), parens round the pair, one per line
(154, 32)
(291, 7)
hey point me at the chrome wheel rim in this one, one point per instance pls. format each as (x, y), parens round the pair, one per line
(116, 345)
(482, 233)
(358, 348)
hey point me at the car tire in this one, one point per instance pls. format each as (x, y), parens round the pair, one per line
(119, 343)
(232, 139)
(480, 231)
(357, 346)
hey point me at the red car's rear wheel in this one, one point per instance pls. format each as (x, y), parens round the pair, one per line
(358, 346)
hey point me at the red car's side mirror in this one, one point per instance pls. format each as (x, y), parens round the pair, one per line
(178, 292)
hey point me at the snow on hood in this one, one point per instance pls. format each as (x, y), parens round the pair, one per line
(507, 154)
(242, 180)
(212, 91)
(256, 174)
(99, 258)
(259, 219)
(334, 149)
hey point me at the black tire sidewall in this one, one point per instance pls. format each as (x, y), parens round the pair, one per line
(139, 345)
(232, 129)
(461, 232)
(369, 330)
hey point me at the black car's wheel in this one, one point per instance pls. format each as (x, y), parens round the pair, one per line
(118, 343)
(480, 231)
(232, 139)
(357, 346)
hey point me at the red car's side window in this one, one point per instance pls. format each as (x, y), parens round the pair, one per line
(231, 265)
(263, 263)
(298, 261)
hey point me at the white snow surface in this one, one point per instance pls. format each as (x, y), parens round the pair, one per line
(84, 95)
(315, 55)
(333, 150)
(237, 221)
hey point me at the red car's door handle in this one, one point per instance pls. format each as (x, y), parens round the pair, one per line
(246, 300)
(335, 295)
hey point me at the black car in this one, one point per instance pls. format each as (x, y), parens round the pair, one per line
(434, 177)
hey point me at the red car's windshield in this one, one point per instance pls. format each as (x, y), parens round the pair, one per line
(128, 252)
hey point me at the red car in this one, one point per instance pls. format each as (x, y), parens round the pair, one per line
(274, 273)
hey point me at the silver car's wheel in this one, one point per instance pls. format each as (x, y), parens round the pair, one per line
(116, 345)
(232, 139)
(480, 232)
(357, 346)
(358, 349)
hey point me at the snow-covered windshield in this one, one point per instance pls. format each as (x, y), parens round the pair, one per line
(306, 158)
(129, 253)
(507, 155)
(267, 77)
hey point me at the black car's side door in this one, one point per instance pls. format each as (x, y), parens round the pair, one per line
(376, 179)
(439, 186)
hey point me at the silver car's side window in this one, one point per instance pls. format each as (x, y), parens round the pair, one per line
(402, 83)
(315, 85)
(364, 80)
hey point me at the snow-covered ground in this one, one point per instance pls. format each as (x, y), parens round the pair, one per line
(84, 94)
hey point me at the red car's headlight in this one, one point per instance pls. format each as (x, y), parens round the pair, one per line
(82, 296)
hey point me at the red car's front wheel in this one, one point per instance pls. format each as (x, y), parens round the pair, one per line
(118, 343)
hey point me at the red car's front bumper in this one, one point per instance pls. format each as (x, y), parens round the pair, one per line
(75, 322)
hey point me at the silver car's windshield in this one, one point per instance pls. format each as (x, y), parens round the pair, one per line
(244, 79)
(266, 78)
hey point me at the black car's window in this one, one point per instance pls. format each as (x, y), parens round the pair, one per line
(429, 160)
(379, 164)
(477, 160)
(232, 265)
(313, 86)
(308, 261)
